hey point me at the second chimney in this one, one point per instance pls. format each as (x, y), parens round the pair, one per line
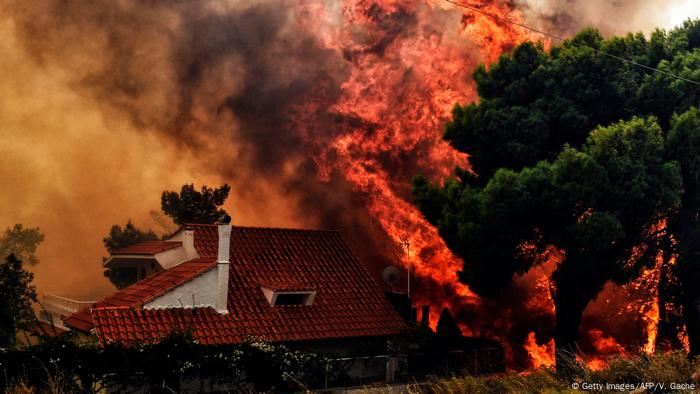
(223, 262)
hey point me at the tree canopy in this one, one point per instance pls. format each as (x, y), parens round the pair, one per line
(22, 242)
(192, 206)
(129, 235)
(120, 238)
(187, 206)
(570, 148)
(16, 297)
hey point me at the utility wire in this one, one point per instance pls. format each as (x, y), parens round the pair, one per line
(544, 33)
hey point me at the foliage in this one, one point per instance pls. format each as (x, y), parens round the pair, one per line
(22, 242)
(119, 238)
(192, 206)
(187, 206)
(86, 368)
(129, 235)
(16, 297)
(569, 148)
(684, 144)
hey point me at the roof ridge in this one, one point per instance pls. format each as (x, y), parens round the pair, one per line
(311, 230)
(175, 285)
(137, 308)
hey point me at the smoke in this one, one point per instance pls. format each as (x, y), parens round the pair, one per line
(317, 113)
(109, 104)
(619, 17)
(117, 101)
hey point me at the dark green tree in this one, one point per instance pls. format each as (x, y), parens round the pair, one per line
(684, 145)
(192, 206)
(120, 238)
(535, 180)
(598, 204)
(22, 242)
(16, 297)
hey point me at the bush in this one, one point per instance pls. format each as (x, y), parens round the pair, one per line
(60, 365)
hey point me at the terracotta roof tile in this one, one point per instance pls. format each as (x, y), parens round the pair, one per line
(147, 247)
(348, 302)
(144, 291)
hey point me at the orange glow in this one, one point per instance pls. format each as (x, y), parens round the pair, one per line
(400, 108)
(604, 344)
(541, 356)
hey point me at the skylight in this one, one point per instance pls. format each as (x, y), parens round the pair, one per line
(277, 297)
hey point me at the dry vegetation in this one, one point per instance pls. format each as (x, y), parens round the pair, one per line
(674, 367)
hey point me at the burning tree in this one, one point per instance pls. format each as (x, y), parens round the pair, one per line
(684, 145)
(597, 204)
(539, 177)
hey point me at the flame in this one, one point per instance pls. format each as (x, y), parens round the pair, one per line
(541, 356)
(604, 344)
(650, 309)
(399, 93)
(683, 339)
(646, 291)
(399, 98)
(605, 347)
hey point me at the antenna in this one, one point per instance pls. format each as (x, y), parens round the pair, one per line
(406, 247)
(391, 276)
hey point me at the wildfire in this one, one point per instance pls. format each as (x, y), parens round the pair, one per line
(405, 75)
(405, 78)
(542, 356)
(650, 310)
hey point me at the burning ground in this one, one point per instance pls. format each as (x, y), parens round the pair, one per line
(318, 114)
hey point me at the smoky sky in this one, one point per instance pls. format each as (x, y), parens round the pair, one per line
(107, 103)
(617, 17)
(220, 83)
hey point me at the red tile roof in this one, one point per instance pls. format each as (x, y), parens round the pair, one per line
(144, 291)
(348, 302)
(286, 286)
(148, 247)
(40, 328)
(130, 324)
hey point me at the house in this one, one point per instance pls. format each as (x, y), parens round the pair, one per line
(225, 284)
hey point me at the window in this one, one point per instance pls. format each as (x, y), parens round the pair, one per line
(292, 298)
(280, 297)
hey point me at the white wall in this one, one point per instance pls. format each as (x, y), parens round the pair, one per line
(203, 287)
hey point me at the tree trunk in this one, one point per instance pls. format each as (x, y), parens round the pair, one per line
(691, 314)
(569, 311)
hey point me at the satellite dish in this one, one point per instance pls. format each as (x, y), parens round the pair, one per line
(391, 275)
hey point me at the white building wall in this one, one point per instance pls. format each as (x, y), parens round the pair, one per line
(186, 252)
(203, 288)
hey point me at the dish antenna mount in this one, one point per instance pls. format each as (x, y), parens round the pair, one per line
(391, 276)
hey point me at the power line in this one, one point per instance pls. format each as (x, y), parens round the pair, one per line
(550, 35)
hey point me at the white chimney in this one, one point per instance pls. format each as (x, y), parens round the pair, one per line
(223, 267)
(188, 244)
